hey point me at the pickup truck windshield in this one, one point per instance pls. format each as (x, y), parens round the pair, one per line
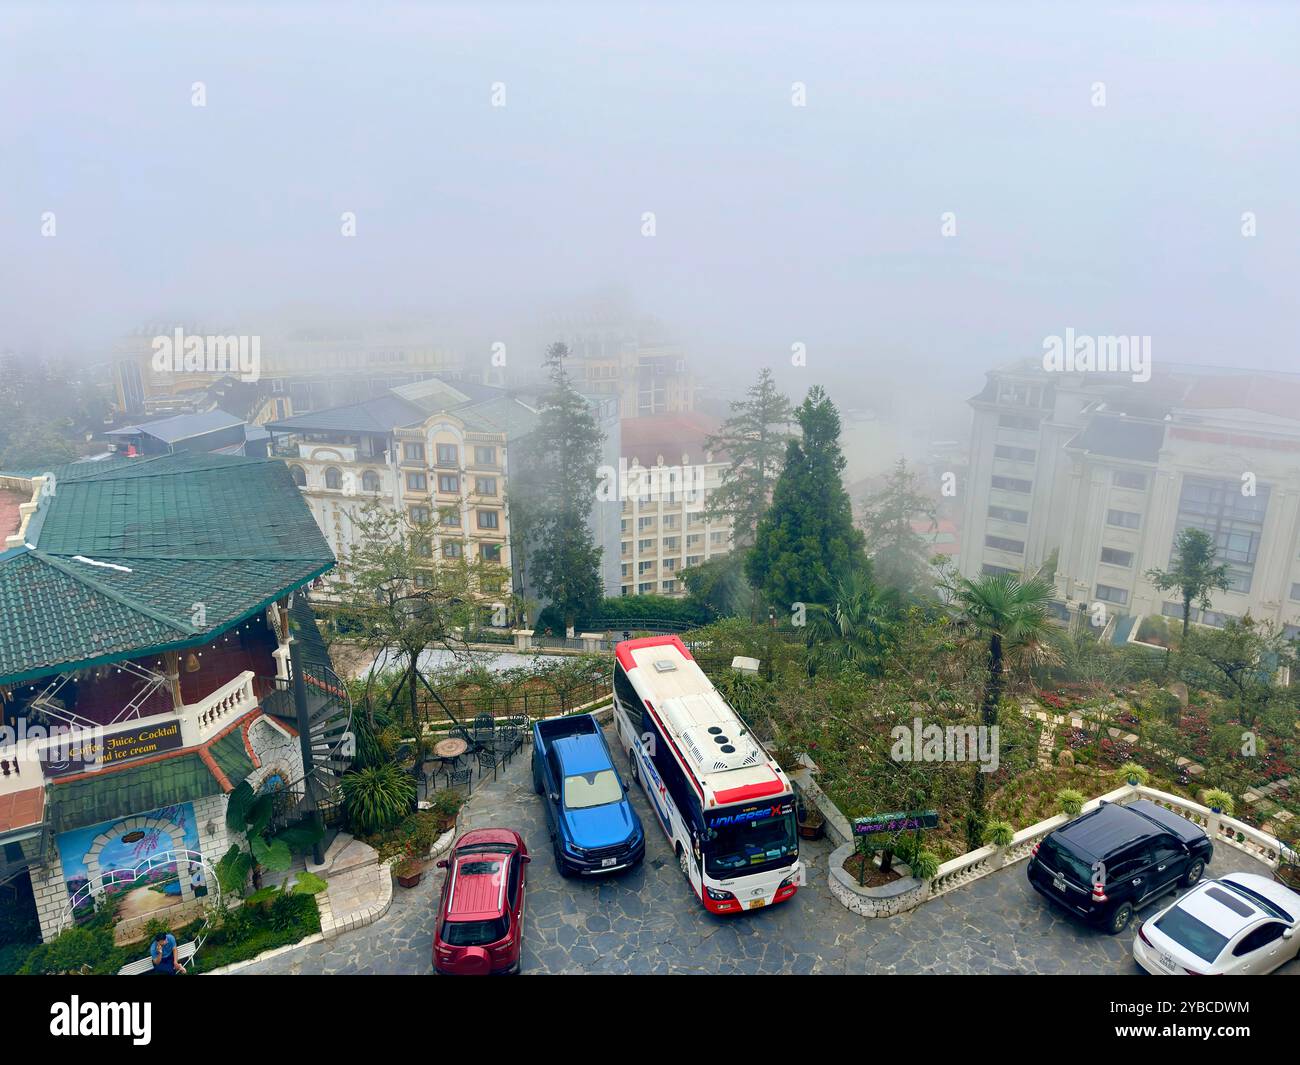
(591, 789)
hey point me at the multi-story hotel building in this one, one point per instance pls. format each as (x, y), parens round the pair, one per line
(667, 477)
(1101, 473)
(437, 453)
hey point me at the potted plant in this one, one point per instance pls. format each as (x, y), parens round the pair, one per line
(1288, 862)
(410, 870)
(1135, 774)
(811, 823)
(1219, 801)
(1070, 801)
(445, 806)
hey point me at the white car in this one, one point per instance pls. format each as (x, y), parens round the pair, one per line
(1240, 924)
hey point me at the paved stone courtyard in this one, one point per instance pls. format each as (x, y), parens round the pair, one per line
(648, 921)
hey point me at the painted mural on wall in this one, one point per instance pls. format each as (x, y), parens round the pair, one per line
(135, 849)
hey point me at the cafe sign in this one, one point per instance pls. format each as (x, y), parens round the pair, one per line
(91, 749)
(888, 824)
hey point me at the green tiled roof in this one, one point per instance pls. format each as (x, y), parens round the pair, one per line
(120, 554)
(108, 795)
(231, 755)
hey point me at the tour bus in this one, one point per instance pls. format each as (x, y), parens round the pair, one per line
(726, 806)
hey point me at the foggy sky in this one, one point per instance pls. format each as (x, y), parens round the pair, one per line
(775, 224)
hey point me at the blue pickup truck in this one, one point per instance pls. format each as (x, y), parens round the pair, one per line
(593, 826)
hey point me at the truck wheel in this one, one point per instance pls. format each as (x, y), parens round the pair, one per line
(560, 866)
(537, 783)
(1194, 872)
(1119, 919)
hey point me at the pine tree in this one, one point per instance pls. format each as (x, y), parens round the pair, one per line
(899, 554)
(554, 496)
(807, 537)
(754, 439)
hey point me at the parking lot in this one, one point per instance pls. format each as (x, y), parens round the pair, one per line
(648, 921)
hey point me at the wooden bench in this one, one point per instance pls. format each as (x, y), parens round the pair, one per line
(184, 952)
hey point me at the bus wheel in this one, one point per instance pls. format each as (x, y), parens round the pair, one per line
(631, 766)
(684, 862)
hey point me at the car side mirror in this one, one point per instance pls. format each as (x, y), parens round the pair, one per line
(1287, 933)
(555, 796)
(441, 863)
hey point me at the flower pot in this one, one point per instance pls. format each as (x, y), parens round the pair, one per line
(409, 880)
(812, 829)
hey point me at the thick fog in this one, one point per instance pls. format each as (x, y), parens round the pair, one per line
(1094, 168)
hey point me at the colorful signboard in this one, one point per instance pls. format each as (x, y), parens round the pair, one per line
(888, 824)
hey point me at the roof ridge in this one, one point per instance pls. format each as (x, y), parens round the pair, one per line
(117, 596)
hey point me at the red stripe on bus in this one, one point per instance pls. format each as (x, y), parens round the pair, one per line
(749, 791)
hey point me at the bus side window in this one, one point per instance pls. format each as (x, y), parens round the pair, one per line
(628, 698)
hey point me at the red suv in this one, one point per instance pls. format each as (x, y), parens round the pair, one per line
(480, 916)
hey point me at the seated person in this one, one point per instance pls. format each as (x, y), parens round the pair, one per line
(163, 955)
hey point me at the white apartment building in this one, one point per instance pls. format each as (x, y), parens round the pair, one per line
(1104, 472)
(668, 478)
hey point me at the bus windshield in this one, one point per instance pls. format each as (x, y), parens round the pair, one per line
(750, 841)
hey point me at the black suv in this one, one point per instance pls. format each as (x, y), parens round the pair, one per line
(1108, 863)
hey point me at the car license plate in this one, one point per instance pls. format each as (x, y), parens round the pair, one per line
(1058, 883)
(1166, 962)
(755, 904)
(605, 863)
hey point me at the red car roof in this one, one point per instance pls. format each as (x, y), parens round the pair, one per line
(477, 890)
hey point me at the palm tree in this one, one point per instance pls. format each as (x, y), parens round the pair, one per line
(853, 629)
(1009, 612)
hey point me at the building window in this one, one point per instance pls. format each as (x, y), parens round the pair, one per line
(670, 564)
(672, 543)
(413, 452)
(1016, 421)
(694, 560)
(299, 476)
(424, 547)
(642, 524)
(485, 456)
(670, 521)
(645, 588)
(1016, 517)
(1109, 594)
(448, 482)
(1130, 479)
(333, 479)
(644, 545)
(1295, 591)
(1124, 519)
(485, 486)
(990, 570)
(626, 570)
(488, 519)
(370, 481)
(1233, 521)
(645, 567)
(490, 552)
(1017, 454)
(415, 482)
(1012, 484)
(448, 455)
(422, 579)
(716, 538)
(419, 515)
(1003, 543)
(452, 549)
(624, 526)
(1019, 394)
(1113, 556)
(669, 586)
(450, 517)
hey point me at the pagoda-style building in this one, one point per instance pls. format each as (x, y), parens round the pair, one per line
(147, 608)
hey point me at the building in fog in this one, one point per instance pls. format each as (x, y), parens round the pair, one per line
(667, 478)
(1097, 474)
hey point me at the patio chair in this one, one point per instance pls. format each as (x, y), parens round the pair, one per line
(459, 776)
(487, 759)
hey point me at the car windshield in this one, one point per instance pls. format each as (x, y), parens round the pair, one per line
(592, 789)
(1187, 931)
(473, 933)
(750, 845)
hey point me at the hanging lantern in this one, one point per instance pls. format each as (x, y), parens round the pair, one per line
(191, 663)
